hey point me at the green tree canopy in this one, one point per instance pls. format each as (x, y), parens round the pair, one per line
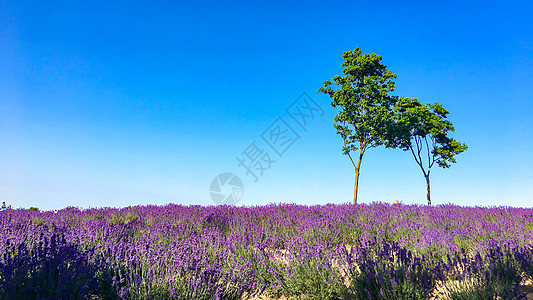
(423, 130)
(365, 107)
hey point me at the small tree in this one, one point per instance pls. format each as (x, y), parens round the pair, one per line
(423, 129)
(366, 109)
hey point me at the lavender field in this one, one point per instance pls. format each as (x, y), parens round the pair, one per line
(375, 251)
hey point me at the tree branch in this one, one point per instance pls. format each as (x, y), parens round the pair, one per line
(419, 149)
(351, 160)
(429, 156)
(434, 144)
(417, 161)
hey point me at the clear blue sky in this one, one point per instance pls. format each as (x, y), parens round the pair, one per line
(124, 102)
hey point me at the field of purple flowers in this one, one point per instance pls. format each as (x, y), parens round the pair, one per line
(375, 251)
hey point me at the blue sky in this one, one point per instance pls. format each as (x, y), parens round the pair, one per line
(127, 103)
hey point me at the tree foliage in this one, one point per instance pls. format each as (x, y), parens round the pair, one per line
(365, 107)
(423, 129)
(369, 117)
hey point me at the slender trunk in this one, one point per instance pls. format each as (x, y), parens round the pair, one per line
(428, 190)
(355, 186)
(357, 168)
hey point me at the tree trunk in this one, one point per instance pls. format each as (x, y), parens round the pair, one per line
(355, 187)
(428, 190)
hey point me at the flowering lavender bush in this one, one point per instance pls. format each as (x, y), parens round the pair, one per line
(373, 251)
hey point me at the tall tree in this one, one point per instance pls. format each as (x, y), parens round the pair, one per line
(423, 130)
(365, 107)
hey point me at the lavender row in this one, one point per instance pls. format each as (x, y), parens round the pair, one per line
(323, 252)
